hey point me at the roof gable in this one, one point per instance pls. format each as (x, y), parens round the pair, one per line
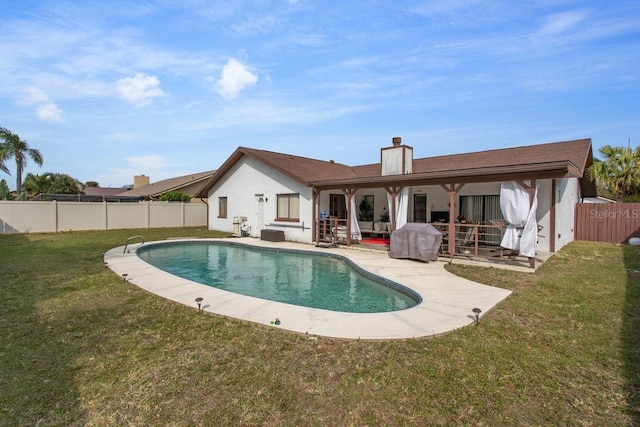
(301, 169)
(559, 159)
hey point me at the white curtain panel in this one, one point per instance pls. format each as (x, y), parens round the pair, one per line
(514, 203)
(520, 215)
(355, 228)
(402, 207)
(529, 238)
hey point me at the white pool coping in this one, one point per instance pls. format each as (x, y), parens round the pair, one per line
(447, 300)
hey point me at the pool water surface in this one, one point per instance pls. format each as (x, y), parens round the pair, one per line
(294, 277)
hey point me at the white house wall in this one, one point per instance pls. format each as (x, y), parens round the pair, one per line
(249, 178)
(242, 185)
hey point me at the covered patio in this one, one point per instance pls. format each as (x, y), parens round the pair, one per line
(508, 182)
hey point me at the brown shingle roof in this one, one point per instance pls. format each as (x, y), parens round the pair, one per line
(184, 183)
(553, 160)
(102, 191)
(301, 169)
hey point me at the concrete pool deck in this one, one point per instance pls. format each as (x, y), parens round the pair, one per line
(447, 303)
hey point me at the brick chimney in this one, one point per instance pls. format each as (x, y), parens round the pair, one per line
(140, 181)
(397, 159)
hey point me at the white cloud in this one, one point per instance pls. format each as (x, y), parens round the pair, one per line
(147, 163)
(139, 90)
(560, 23)
(154, 166)
(46, 110)
(49, 112)
(234, 78)
(36, 96)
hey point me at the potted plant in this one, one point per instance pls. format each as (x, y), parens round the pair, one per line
(383, 221)
(366, 213)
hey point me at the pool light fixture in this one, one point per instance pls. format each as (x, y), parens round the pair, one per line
(199, 302)
(477, 312)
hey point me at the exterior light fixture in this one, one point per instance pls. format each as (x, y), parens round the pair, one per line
(477, 312)
(199, 302)
(124, 277)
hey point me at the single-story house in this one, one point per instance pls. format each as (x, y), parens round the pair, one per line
(298, 195)
(188, 184)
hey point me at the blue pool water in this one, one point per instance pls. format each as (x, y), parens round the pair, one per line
(294, 277)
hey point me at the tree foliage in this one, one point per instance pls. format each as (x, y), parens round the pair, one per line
(51, 183)
(175, 196)
(5, 193)
(18, 149)
(619, 172)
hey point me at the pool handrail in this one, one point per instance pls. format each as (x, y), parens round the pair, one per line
(124, 251)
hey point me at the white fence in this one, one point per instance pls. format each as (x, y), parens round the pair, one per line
(49, 217)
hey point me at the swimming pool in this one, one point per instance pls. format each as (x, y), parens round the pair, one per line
(290, 276)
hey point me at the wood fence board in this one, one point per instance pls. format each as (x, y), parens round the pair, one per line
(607, 222)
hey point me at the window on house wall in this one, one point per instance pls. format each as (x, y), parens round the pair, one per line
(479, 209)
(288, 207)
(419, 208)
(337, 206)
(366, 208)
(222, 207)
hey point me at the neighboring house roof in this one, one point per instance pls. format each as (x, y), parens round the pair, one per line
(189, 184)
(103, 191)
(43, 197)
(553, 160)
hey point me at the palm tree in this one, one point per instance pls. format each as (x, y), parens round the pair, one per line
(37, 184)
(51, 183)
(15, 147)
(619, 172)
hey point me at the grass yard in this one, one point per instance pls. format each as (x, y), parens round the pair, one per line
(78, 347)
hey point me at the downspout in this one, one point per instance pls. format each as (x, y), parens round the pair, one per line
(207, 204)
(552, 218)
(314, 214)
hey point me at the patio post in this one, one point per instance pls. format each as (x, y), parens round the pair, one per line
(452, 190)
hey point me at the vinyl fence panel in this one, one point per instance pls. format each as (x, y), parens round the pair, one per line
(47, 217)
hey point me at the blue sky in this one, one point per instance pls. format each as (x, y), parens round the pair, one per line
(111, 89)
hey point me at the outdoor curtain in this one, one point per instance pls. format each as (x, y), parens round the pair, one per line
(522, 229)
(402, 207)
(355, 228)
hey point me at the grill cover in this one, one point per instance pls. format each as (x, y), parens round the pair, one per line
(416, 241)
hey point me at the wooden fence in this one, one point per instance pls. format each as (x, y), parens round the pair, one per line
(607, 222)
(51, 217)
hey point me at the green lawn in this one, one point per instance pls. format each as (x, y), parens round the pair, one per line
(78, 346)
